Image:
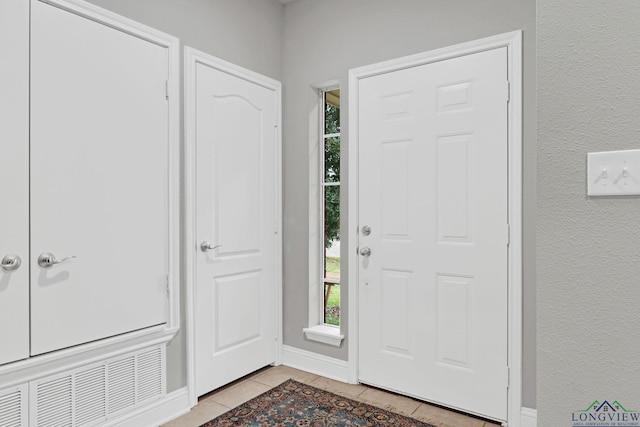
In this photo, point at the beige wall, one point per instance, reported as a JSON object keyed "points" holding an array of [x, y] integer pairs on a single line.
{"points": [[323, 39], [245, 32], [588, 247]]}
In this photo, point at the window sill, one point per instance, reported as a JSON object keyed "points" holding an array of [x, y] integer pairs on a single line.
{"points": [[325, 334]]}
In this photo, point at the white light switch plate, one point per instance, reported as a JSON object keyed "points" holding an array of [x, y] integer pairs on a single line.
{"points": [[613, 173]]}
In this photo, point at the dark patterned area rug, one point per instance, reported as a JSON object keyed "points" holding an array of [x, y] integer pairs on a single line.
{"points": [[296, 404]]}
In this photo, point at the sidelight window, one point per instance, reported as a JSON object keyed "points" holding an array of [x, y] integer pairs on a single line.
{"points": [[330, 205]]}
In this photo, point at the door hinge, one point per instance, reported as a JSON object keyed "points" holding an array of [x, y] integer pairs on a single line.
{"points": [[508, 91], [167, 285], [166, 89], [508, 234]]}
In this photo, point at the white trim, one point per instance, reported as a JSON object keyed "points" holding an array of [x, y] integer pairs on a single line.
{"points": [[191, 58], [189, 217], [326, 334], [64, 360], [315, 231], [159, 412], [528, 417], [316, 215], [111, 19], [315, 363], [513, 42]]}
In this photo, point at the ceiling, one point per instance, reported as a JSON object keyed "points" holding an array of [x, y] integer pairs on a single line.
{"points": [[285, 1]]}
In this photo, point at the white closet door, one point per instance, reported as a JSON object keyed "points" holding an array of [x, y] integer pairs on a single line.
{"points": [[99, 180], [237, 179], [14, 178]]}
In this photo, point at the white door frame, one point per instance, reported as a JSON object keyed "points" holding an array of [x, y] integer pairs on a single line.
{"points": [[192, 57], [513, 42]]}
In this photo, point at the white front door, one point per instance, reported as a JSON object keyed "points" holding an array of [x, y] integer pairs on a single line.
{"points": [[99, 180], [236, 225], [14, 176], [433, 190]]}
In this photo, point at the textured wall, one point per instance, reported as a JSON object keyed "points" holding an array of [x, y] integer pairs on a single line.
{"points": [[588, 249], [322, 41], [245, 32]]}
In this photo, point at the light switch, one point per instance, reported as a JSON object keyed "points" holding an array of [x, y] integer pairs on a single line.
{"points": [[613, 173]]}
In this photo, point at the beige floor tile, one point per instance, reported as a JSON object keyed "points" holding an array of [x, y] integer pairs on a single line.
{"points": [[279, 374], [238, 393], [340, 388], [213, 408], [219, 402], [199, 415], [442, 418], [389, 401]]}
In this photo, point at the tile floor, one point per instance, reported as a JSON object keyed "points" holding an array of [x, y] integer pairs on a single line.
{"points": [[221, 400]]}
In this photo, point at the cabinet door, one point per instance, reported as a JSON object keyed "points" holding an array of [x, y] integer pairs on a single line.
{"points": [[14, 178], [99, 180]]}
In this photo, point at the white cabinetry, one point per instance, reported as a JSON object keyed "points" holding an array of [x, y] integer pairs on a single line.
{"points": [[88, 170], [14, 179]]}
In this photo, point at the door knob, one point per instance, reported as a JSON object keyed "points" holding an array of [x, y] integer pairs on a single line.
{"points": [[10, 262], [48, 260], [366, 230], [365, 251], [206, 246]]}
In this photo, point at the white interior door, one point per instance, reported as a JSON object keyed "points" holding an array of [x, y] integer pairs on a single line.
{"points": [[99, 180], [236, 221], [433, 189], [14, 176]]}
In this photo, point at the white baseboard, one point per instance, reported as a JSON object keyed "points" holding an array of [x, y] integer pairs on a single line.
{"points": [[315, 363], [528, 417], [157, 413]]}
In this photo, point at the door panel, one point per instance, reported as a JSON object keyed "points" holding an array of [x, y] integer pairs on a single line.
{"points": [[433, 189], [236, 213], [14, 176], [99, 183], [238, 136]]}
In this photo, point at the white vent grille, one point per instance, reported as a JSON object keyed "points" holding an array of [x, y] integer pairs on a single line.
{"points": [[149, 374], [121, 380], [55, 400], [91, 395], [11, 409]]}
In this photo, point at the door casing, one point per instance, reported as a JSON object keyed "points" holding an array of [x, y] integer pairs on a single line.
{"points": [[513, 42], [191, 58]]}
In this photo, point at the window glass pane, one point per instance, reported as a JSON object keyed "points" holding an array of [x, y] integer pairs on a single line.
{"points": [[331, 116], [331, 215], [331, 200], [332, 304], [332, 159], [332, 255]]}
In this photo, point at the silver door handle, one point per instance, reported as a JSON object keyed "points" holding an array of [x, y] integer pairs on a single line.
{"points": [[206, 246], [48, 260], [11, 262], [365, 251]]}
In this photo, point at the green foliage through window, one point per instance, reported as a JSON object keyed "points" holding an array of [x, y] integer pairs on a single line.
{"points": [[331, 175]]}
